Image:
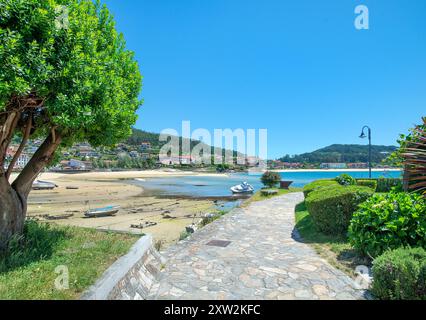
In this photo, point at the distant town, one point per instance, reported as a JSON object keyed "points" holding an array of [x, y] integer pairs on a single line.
{"points": [[141, 151]]}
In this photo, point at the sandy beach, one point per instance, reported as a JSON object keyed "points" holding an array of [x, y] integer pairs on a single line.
{"points": [[66, 206]]}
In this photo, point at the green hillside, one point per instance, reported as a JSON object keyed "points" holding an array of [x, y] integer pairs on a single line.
{"points": [[342, 153], [139, 136]]}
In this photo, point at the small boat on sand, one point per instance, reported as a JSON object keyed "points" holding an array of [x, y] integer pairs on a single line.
{"points": [[242, 188], [102, 212], [43, 185], [48, 182]]}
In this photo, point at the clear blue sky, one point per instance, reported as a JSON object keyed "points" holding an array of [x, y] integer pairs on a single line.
{"points": [[298, 68]]}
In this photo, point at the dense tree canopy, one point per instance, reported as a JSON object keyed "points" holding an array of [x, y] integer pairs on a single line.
{"points": [[65, 76], [270, 179], [75, 75]]}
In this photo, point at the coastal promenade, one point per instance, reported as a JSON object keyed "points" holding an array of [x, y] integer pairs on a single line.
{"points": [[251, 253]]}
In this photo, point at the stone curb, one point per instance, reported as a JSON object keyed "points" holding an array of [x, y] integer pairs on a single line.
{"points": [[123, 279]]}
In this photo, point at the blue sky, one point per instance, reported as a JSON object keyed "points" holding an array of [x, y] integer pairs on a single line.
{"points": [[297, 68]]}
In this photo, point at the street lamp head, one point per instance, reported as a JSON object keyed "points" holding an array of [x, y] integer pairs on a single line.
{"points": [[363, 135]]}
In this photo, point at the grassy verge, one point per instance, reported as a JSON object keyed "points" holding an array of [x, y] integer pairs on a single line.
{"points": [[205, 221], [27, 270], [336, 250], [258, 196]]}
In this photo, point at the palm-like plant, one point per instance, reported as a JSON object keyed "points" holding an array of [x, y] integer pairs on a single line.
{"points": [[414, 156]]}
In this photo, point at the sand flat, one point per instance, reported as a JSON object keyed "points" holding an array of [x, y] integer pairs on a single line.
{"points": [[98, 189]]}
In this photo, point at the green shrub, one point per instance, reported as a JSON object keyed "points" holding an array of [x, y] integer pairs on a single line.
{"points": [[183, 235], [387, 184], [270, 179], [371, 183], [389, 221], [345, 180], [318, 184], [400, 275], [332, 207], [211, 218]]}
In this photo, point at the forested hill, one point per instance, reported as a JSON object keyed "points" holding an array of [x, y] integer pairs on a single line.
{"points": [[139, 136], [347, 153]]}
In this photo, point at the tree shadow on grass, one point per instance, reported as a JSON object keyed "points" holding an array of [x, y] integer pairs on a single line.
{"points": [[37, 243]]}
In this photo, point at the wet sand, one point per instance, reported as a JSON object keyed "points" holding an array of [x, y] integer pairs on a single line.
{"points": [[98, 189]]}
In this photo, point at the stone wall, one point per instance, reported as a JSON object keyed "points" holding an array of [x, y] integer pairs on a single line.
{"points": [[130, 277]]}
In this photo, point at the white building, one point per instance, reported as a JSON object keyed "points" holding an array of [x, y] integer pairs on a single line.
{"points": [[22, 161], [333, 166]]}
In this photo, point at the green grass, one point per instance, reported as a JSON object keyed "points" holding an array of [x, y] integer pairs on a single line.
{"points": [[258, 196], [336, 250], [183, 235], [27, 270], [219, 214]]}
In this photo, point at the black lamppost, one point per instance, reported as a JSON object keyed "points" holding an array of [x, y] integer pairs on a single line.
{"points": [[362, 136]]}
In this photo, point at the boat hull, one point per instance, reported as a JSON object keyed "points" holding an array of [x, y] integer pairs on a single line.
{"points": [[43, 185], [102, 212], [237, 190]]}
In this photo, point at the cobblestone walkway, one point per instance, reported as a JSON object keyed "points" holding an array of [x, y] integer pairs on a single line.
{"points": [[263, 260]]}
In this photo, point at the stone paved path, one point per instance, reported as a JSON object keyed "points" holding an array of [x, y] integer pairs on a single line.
{"points": [[263, 261]]}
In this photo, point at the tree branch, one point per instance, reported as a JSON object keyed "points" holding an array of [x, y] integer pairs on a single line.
{"points": [[41, 158], [6, 133], [19, 104], [21, 146]]}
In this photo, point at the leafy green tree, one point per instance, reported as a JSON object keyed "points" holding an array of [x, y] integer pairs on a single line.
{"points": [[270, 179], [65, 77]]}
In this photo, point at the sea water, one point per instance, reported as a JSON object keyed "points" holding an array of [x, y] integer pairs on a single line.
{"points": [[218, 186]]}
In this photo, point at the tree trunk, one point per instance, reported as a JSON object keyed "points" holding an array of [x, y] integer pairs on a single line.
{"points": [[13, 208], [13, 204]]}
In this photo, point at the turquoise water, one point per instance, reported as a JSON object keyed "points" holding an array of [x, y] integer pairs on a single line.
{"points": [[218, 186]]}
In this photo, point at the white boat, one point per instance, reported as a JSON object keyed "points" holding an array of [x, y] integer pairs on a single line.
{"points": [[242, 188], [102, 212], [43, 185], [48, 182]]}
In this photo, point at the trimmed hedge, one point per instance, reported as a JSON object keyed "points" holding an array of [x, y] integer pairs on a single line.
{"points": [[318, 184], [386, 184], [400, 275], [383, 185], [332, 207], [389, 221], [371, 183]]}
